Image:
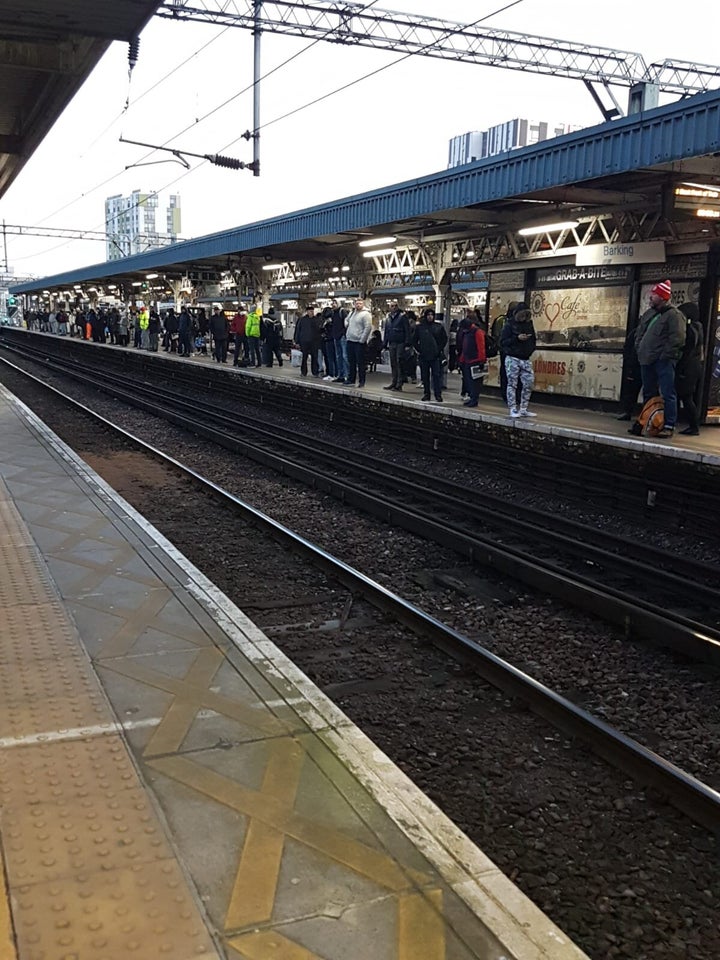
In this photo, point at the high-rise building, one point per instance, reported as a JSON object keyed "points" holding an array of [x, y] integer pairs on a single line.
{"points": [[476, 145], [131, 227]]}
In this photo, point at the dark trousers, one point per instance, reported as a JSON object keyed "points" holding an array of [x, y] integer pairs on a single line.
{"points": [[241, 347], [471, 387], [396, 351], [691, 409], [309, 350], [220, 350], [254, 351], [431, 369], [356, 362], [184, 344], [629, 389]]}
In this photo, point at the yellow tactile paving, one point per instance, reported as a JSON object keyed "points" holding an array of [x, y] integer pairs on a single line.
{"points": [[87, 872]]}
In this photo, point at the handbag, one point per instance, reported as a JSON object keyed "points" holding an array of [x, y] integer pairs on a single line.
{"points": [[478, 370]]}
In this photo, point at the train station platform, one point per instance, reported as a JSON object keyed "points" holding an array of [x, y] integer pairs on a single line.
{"points": [[172, 785]]}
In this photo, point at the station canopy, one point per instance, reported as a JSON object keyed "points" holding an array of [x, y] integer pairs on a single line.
{"points": [[624, 173], [47, 50]]}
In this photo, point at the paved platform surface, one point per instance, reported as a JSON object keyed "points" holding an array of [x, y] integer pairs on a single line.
{"points": [[171, 785]]}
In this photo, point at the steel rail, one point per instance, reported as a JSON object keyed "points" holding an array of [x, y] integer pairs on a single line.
{"points": [[635, 616], [602, 482], [690, 795], [588, 542]]}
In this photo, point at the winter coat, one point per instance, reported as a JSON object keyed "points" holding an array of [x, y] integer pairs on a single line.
{"points": [[430, 340], [690, 365], [237, 324], [184, 322], [338, 324], [471, 349], [510, 343], [397, 328], [219, 326], [308, 331], [660, 334]]}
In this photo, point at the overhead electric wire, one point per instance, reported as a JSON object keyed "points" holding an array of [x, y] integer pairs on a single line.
{"points": [[284, 116]]}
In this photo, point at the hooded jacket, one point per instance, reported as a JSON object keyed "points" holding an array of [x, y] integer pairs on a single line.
{"points": [[520, 322]]}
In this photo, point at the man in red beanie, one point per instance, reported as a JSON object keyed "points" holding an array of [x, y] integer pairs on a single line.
{"points": [[659, 340]]}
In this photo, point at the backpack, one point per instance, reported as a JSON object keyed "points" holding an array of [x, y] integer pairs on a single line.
{"points": [[651, 419], [694, 347], [491, 346]]}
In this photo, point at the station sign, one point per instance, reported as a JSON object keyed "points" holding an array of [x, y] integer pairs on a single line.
{"points": [[610, 254]]}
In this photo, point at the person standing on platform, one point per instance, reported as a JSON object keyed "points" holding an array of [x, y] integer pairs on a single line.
{"points": [[307, 339], [154, 327], [472, 357], [396, 338], [430, 340], [659, 339], [253, 330], [272, 338], [219, 331], [518, 345], [328, 345], [631, 377], [339, 316], [359, 328], [123, 329], [237, 329], [184, 333], [496, 332], [689, 368]]}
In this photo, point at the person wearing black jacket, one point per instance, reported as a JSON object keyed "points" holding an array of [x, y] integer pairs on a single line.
{"points": [[337, 329], [430, 340], [220, 332], [631, 377], [518, 343], [307, 338], [396, 338], [271, 331], [688, 371]]}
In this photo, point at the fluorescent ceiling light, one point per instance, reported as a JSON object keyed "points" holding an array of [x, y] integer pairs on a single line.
{"points": [[273, 266], [137, 283], [548, 228], [379, 253], [377, 241], [151, 276]]}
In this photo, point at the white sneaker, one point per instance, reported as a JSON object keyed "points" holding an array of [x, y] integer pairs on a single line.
{"points": [[514, 413], [328, 378], [527, 413]]}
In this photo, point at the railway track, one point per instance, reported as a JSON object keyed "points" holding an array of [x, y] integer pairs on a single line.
{"points": [[640, 588], [360, 592]]}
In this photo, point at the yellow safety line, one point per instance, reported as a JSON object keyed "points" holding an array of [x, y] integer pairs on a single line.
{"points": [[267, 943], [421, 930], [253, 895]]}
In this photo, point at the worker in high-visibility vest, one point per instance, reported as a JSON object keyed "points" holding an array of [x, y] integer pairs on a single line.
{"points": [[144, 324]]}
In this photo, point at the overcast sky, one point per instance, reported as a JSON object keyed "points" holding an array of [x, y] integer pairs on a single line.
{"points": [[391, 127]]}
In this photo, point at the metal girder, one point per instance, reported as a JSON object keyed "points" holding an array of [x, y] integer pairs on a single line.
{"points": [[407, 33], [60, 57]]}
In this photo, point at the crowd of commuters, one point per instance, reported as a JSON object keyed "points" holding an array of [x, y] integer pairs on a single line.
{"points": [[663, 353]]}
